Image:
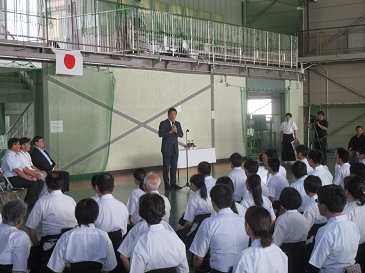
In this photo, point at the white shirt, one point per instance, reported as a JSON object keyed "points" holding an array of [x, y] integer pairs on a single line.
{"points": [[282, 172], [10, 161], [133, 200], [197, 206], [356, 215], [134, 234], [299, 186], [209, 182], [341, 172], [85, 243], [311, 212], [136, 217], [55, 211], [288, 127], [257, 259], [309, 168], [265, 189], [349, 206], [362, 161], [159, 248], [240, 211], [249, 202], [113, 214], [26, 159], [290, 227], [323, 173], [276, 184], [14, 247], [238, 178], [336, 245], [224, 235], [96, 197]]}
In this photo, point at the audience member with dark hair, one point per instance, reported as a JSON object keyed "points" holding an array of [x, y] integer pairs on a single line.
{"points": [[139, 175], [15, 244], [358, 169], [238, 177], [272, 153], [314, 159], [204, 168], [361, 155], [299, 170], [224, 243], [252, 167], [302, 155], [277, 182], [255, 197], [158, 248], [356, 143], [336, 242], [343, 169], [235, 207], [291, 231], [263, 255], [93, 186], [84, 244]]}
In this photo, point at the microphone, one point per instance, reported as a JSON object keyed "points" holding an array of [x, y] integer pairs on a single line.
{"points": [[173, 124], [187, 130]]}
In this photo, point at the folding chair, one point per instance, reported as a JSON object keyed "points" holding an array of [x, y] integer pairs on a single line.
{"points": [[9, 187], [3, 195]]}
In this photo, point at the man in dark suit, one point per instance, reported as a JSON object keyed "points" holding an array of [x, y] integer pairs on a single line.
{"points": [[170, 130], [43, 161]]}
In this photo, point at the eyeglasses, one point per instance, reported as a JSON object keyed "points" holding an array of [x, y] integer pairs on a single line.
{"points": [[316, 200]]}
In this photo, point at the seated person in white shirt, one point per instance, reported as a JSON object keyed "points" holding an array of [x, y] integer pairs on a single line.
{"points": [[252, 167], [13, 168], [299, 170], [291, 231], [272, 153], [85, 248], [263, 255], [359, 169], [343, 170], [158, 248], [223, 234], [314, 159], [336, 242], [139, 175], [361, 155], [276, 183], [204, 168], [302, 154], [238, 177], [15, 244]]}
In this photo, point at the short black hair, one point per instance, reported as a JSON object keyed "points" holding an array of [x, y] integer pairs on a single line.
{"points": [[55, 180], [105, 182], [333, 196], [225, 180], [86, 211], [24, 140], [299, 169], [171, 110], [222, 195], [272, 153], [274, 164], [358, 168], [358, 126], [12, 141], [290, 198], [312, 183], [139, 174], [316, 156], [289, 114], [304, 150], [152, 208], [236, 159], [355, 185], [344, 155], [320, 113], [199, 181], [93, 180], [36, 139], [204, 168], [252, 166]]}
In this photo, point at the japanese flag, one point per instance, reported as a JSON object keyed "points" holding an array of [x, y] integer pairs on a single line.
{"points": [[68, 62]]}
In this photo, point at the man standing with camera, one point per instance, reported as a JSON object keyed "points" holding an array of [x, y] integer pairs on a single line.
{"points": [[320, 135]]}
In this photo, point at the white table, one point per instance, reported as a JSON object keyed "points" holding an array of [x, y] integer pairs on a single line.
{"points": [[195, 156]]}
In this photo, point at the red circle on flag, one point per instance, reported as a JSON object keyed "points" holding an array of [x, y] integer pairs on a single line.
{"points": [[69, 61]]}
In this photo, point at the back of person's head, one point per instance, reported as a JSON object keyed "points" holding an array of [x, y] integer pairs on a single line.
{"points": [[13, 212], [312, 183], [105, 183], [139, 174], [254, 182], [355, 185], [252, 166], [272, 153], [299, 169], [86, 211], [222, 195], [93, 180], [12, 141], [304, 150], [316, 156], [55, 180], [358, 169], [344, 155], [199, 182], [36, 139], [259, 220], [24, 140], [333, 196], [152, 208], [226, 180], [340, 149], [274, 164], [290, 198], [236, 159], [152, 182], [204, 168]]}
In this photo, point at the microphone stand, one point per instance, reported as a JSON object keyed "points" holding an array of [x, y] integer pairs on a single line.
{"points": [[187, 159]]}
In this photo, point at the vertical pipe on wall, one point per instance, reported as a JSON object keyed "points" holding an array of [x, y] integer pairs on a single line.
{"points": [[212, 109]]}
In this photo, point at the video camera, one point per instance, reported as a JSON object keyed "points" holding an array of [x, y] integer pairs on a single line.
{"points": [[314, 119]]}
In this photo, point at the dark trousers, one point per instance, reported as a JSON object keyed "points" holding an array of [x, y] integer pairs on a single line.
{"points": [[321, 145], [34, 188], [360, 256], [89, 267], [7, 268], [116, 237], [170, 163], [298, 256], [287, 153]]}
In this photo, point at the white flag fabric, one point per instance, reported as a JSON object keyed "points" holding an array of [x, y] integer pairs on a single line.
{"points": [[69, 62]]}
